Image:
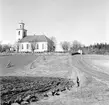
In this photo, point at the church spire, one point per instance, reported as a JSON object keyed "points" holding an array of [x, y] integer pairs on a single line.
{"points": [[21, 32]]}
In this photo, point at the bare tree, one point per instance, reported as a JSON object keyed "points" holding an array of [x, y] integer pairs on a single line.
{"points": [[33, 46], [53, 39], [16, 46], [65, 45], [6, 48], [76, 45], [0, 47]]}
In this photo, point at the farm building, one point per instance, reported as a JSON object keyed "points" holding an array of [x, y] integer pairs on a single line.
{"points": [[28, 43]]}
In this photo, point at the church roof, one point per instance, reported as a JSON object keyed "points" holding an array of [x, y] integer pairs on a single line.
{"points": [[35, 38]]}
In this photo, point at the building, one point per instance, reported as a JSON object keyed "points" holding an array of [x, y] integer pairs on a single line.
{"points": [[80, 51], [32, 43]]}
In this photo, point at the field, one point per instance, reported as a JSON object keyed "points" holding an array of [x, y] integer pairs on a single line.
{"points": [[18, 62], [16, 89], [57, 74]]}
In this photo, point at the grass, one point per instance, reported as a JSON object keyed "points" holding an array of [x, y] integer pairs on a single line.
{"points": [[18, 62]]}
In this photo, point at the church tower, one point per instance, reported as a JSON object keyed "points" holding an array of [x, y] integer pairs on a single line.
{"points": [[21, 32]]}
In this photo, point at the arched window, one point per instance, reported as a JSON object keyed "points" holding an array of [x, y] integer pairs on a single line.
{"points": [[19, 32], [37, 46], [27, 46], [20, 26], [42, 46], [22, 46]]}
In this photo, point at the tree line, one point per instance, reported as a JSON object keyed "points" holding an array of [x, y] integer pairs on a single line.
{"points": [[98, 48]]}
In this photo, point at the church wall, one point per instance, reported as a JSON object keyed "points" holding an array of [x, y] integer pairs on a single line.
{"points": [[42, 46], [24, 45]]}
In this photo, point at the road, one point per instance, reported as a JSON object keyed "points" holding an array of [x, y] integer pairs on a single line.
{"points": [[82, 64]]}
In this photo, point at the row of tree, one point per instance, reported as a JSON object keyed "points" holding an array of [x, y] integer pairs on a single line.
{"points": [[73, 47], [98, 48]]}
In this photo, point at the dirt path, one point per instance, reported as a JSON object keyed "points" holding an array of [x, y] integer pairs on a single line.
{"points": [[83, 65], [93, 94]]}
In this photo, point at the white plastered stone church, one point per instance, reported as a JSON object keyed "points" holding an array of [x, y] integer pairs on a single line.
{"points": [[41, 42]]}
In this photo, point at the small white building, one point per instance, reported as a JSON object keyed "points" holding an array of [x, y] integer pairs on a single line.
{"points": [[80, 51], [26, 43]]}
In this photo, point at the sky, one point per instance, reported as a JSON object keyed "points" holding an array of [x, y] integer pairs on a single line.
{"points": [[67, 20]]}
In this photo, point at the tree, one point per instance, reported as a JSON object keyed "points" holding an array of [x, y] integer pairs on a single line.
{"points": [[75, 46], [0, 47], [33, 46], [53, 39], [16, 46], [65, 46], [6, 48]]}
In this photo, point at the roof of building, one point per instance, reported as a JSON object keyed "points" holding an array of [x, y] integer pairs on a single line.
{"points": [[35, 38]]}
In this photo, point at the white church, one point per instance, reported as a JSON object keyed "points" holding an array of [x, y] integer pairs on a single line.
{"points": [[41, 42]]}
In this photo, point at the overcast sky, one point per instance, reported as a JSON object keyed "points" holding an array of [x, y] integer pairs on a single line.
{"points": [[84, 20]]}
